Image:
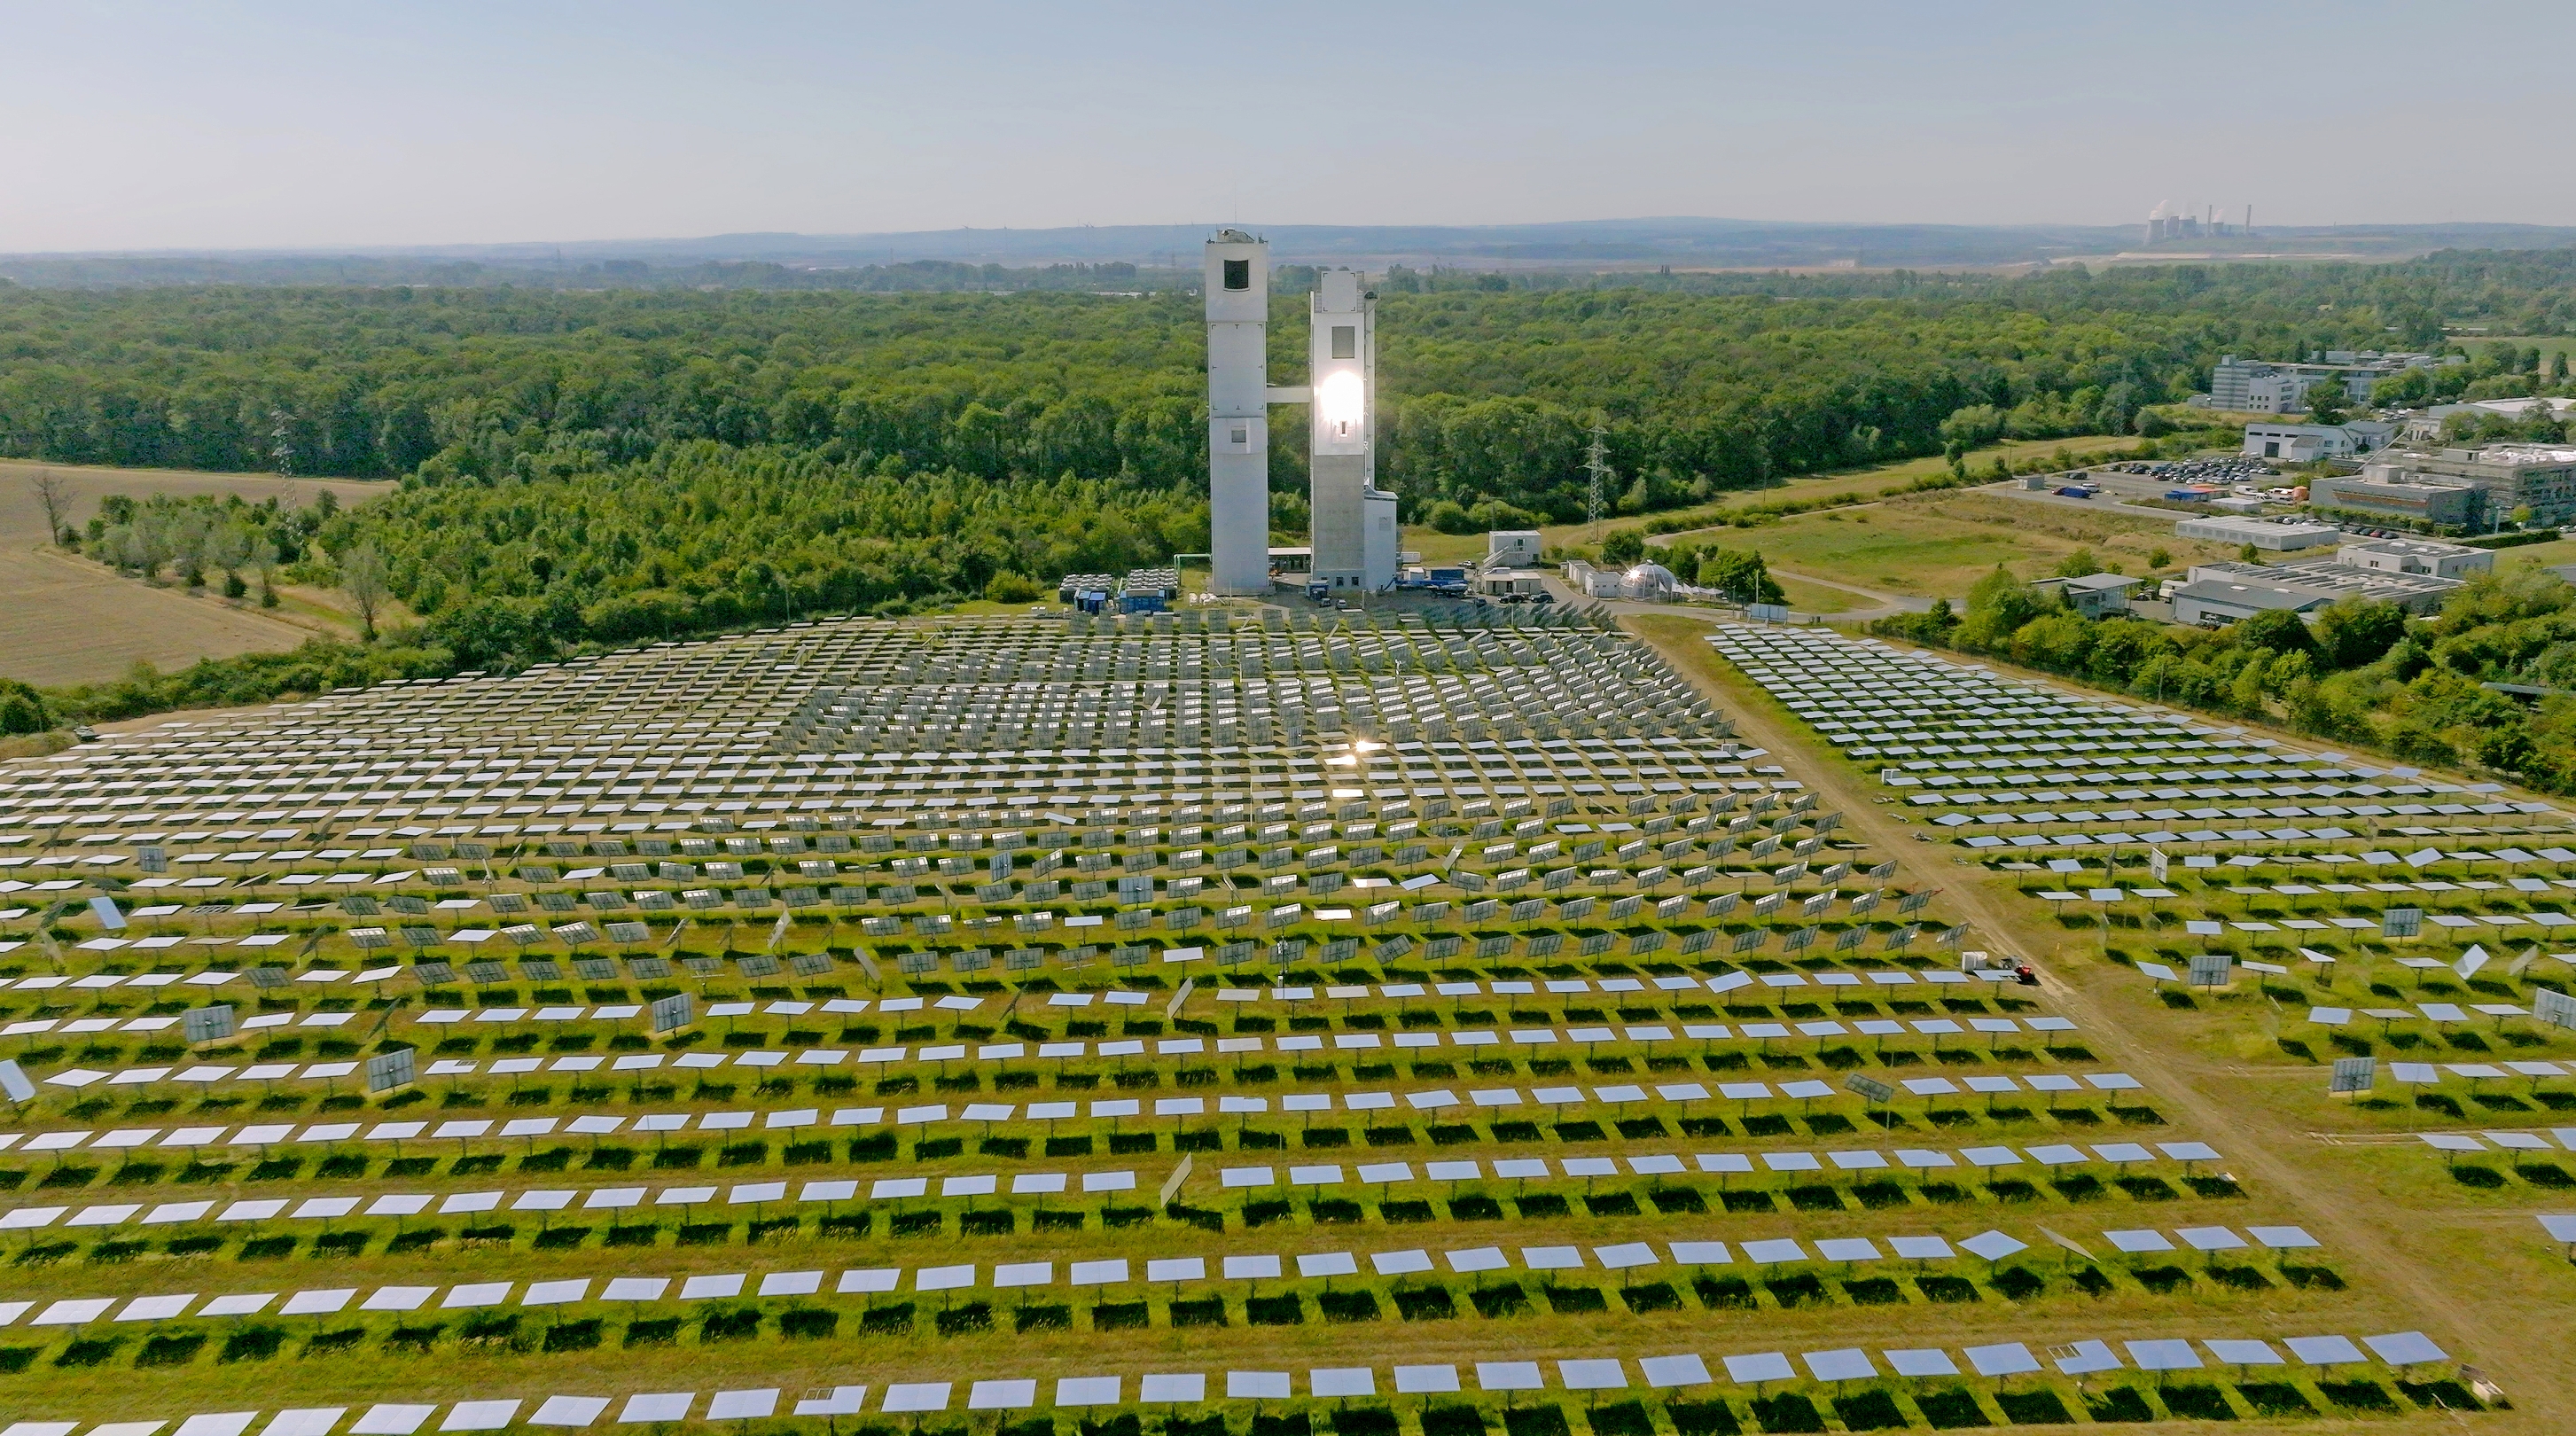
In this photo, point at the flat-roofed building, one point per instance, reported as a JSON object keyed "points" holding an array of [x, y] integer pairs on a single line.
{"points": [[1512, 548], [2540, 477], [2215, 600], [2262, 387], [2306, 443], [2280, 535], [2213, 595], [2092, 595], [2417, 556], [2443, 505]]}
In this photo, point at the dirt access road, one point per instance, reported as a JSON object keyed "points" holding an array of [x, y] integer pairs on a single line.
{"points": [[67, 621]]}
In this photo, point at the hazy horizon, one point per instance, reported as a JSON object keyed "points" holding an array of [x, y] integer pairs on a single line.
{"points": [[304, 126], [748, 240]]}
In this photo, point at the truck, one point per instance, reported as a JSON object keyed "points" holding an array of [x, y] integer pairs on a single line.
{"points": [[1452, 581]]}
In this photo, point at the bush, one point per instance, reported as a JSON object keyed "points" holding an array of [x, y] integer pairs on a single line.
{"points": [[1008, 587], [22, 709]]}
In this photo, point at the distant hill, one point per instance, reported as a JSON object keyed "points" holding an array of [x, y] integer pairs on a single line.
{"points": [[940, 258]]}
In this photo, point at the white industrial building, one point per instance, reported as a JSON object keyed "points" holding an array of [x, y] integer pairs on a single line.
{"points": [[2253, 385], [2304, 443], [2280, 535], [1512, 548], [2424, 426], [2416, 556]]}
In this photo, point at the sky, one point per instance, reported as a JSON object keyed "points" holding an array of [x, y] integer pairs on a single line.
{"points": [[218, 125]]}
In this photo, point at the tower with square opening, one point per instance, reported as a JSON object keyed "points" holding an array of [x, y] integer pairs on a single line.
{"points": [[1237, 285]]}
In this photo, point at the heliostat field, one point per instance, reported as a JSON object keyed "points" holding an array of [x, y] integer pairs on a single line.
{"points": [[1435, 1022]]}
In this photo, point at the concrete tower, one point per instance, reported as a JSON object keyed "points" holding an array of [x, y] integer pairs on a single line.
{"points": [[1238, 310], [1354, 523]]}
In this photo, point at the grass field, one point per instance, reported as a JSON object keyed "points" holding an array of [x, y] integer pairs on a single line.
{"points": [[2538, 555], [1862, 484], [1937, 545], [2547, 344], [1816, 598], [71, 621]]}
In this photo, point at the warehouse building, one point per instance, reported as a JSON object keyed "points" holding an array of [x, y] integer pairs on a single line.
{"points": [[2213, 595], [2306, 443]]}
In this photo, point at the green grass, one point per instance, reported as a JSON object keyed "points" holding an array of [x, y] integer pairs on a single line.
{"points": [[1861, 485], [2547, 344], [1938, 545], [1816, 598], [2538, 555]]}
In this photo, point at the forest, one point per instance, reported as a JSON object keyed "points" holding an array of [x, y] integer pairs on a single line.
{"points": [[592, 468], [695, 537], [1701, 382]]}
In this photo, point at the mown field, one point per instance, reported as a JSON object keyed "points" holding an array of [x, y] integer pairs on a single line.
{"points": [[72, 621], [1937, 545], [1863, 484]]}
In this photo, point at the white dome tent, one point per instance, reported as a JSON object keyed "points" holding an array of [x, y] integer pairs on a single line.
{"points": [[1648, 581]]}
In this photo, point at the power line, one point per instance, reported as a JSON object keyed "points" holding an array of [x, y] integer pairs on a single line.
{"points": [[1596, 461]]}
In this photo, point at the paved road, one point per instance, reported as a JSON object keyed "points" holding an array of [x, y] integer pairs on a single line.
{"points": [[1885, 603]]}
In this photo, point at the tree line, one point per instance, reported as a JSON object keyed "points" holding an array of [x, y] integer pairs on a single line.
{"points": [[1700, 383], [2362, 672], [697, 537]]}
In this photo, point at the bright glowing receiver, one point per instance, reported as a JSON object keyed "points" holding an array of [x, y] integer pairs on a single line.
{"points": [[1342, 400]]}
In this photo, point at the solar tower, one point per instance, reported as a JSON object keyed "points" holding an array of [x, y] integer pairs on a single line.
{"points": [[1238, 310]]}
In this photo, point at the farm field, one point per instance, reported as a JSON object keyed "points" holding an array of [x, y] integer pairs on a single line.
{"points": [[2298, 908], [70, 621]]}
